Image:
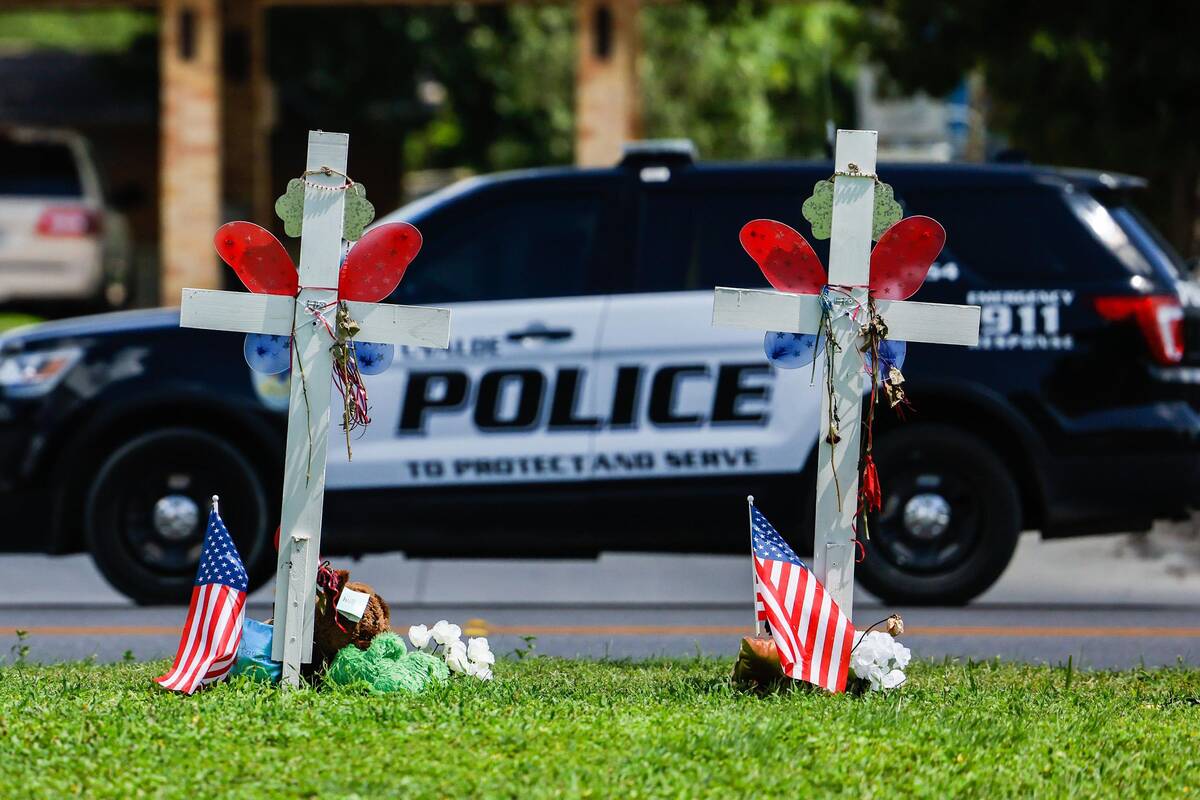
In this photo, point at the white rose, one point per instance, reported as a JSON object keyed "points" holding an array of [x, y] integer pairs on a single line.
{"points": [[456, 657], [874, 649], [875, 676], [444, 633], [480, 671], [419, 636], [479, 651], [893, 679], [864, 669]]}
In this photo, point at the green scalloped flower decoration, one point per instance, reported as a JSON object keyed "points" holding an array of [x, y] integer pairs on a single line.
{"points": [[357, 216], [818, 209], [290, 208], [887, 210], [359, 213]]}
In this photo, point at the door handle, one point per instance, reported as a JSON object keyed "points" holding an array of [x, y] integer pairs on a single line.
{"points": [[538, 332]]}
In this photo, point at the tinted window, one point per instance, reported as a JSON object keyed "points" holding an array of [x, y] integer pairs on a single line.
{"points": [[38, 169], [506, 246], [689, 240], [1149, 243], [1013, 235]]}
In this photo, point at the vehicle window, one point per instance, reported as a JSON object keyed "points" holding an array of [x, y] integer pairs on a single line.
{"points": [[498, 246], [38, 169], [1142, 234], [689, 241], [1015, 235]]}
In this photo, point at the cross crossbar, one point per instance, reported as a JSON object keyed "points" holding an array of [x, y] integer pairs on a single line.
{"points": [[243, 312], [907, 320]]}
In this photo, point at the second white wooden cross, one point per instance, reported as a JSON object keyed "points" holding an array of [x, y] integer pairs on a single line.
{"points": [[849, 268], [312, 373]]}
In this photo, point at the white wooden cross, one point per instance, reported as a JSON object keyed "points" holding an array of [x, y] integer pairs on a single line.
{"points": [[849, 266], [308, 417]]}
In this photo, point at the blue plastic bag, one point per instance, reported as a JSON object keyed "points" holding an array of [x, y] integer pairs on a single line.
{"points": [[254, 653]]}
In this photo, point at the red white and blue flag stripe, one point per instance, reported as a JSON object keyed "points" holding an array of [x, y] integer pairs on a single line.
{"points": [[813, 636], [213, 631]]}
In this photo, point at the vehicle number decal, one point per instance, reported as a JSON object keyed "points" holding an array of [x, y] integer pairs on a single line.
{"points": [[947, 272], [1022, 319]]}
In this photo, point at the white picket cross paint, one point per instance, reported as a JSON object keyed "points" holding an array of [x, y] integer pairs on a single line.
{"points": [[849, 266], [308, 418]]}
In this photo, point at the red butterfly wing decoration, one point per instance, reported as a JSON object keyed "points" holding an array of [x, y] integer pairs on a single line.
{"points": [[376, 264], [901, 259], [257, 257], [784, 256]]}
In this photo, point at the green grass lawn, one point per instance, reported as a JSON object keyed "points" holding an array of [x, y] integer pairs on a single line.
{"points": [[554, 728]]}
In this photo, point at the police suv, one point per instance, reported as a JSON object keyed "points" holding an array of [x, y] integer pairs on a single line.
{"points": [[586, 402]]}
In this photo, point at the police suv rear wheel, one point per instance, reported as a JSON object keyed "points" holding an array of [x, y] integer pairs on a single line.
{"points": [[950, 520], [147, 509]]}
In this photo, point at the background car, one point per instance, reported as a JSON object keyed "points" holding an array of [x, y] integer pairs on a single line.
{"points": [[59, 243], [587, 403]]}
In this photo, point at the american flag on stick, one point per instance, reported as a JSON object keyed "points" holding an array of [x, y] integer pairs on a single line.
{"points": [[813, 636], [213, 629]]}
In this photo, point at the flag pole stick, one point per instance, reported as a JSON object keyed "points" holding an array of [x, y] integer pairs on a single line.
{"points": [[215, 501], [758, 626]]}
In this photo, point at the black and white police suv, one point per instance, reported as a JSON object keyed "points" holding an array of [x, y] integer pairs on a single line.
{"points": [[586, 402]]}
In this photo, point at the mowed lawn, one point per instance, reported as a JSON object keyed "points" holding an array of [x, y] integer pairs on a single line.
{"points": [[13, 319], [555, 728]]}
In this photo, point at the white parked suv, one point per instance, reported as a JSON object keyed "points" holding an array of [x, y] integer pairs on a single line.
{"points": [[58, 241]]}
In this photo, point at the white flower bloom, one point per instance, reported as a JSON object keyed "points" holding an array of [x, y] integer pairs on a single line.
{"points": [[479, 651], [456, 657], [879, 659], [480, 671], [444, 633], [419, 636]]}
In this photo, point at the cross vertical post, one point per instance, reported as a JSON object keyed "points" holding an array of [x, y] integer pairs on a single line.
{"points": [[849, 266], [308, 408]]}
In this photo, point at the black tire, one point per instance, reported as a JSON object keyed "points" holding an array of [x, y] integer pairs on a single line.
{"points": [[133, 553], [917, 559]]}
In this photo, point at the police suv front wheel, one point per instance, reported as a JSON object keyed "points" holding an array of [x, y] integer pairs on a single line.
{"points": [[147, 509], [950, 520]]}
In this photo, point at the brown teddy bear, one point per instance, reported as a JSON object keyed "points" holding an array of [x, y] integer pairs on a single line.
{"points": [[331, 630]]}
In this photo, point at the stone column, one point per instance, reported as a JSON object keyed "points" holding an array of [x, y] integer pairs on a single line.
{"points": [[190, 150], [606, 85]]}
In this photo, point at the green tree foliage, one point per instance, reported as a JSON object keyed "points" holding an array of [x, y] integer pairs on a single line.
{"points": [[492, 86], [84, 31], [1110, 84], [747, 79]]}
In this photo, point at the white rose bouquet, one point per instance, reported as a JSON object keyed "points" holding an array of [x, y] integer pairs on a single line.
{"points": [[474, 658], [878, 660]]}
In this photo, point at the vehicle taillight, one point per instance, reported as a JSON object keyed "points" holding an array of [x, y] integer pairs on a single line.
{"points": [[1159, 316], [68, 221]]}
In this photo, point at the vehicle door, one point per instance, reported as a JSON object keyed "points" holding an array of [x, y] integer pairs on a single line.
{"points": [[512, 399], [687, 399]]}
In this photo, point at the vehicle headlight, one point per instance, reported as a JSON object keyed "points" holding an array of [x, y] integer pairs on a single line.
{"points": [[35, 373]]}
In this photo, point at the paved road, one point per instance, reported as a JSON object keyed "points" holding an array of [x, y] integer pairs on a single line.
{"points": [[1086, 599]]}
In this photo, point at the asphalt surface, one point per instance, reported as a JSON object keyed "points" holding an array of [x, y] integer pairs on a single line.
{"points": [[1091, 600]]}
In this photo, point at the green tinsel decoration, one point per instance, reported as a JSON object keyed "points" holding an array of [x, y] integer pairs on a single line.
{"points": [[387, 666]]}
